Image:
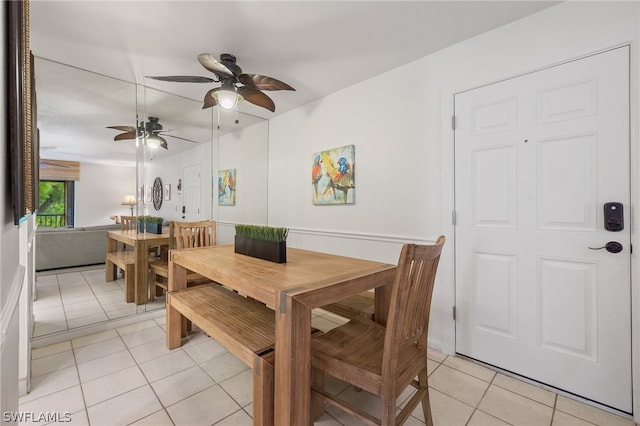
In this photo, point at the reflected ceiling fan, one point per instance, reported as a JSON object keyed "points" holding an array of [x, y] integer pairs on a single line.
{"points": [[149, 132], [235, 85]]}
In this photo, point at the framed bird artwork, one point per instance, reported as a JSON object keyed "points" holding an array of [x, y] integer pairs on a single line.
{"points": [[333, 176], [227, 187]]}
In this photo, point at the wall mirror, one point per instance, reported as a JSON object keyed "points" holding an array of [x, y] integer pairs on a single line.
{"points": [[75, 107]]}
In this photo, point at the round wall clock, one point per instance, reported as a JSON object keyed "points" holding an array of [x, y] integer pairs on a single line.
{"points": [[157, 193]]}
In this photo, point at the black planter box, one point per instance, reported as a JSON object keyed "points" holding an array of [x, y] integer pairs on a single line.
{"points": [[154, 228], [262, 249]]}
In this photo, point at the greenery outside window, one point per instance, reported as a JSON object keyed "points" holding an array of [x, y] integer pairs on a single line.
{"points": [[55, 206]]}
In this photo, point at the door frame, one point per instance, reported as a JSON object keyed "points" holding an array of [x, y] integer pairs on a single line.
{"points": [[446, 270]]}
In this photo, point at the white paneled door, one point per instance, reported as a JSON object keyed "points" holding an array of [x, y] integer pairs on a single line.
{"points": [[191, 197], [537, 157]]}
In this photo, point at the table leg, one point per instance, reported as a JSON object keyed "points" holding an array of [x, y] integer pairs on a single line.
{"points": [[176, 323], [109, 267], [173, 326], [142, 266], [293, 361]]}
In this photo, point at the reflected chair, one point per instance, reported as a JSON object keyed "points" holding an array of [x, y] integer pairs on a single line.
{"points": [[181, 235], [128, 223], [385, 360]]}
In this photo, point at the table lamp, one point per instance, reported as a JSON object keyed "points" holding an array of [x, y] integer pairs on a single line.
{"points": [[129, 200]]}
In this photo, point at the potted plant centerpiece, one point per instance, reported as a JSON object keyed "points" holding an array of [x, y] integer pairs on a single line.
{"points": [[263, 242], [151, 224]]}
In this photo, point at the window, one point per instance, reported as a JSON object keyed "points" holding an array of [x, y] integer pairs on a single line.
{"points": [[55, 206]]}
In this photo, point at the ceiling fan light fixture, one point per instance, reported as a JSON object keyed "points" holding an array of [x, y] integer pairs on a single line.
{"points": [[227, 99], [154, 141]]}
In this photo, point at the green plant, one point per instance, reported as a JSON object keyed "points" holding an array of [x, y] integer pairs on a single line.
{"points": [[150, 219], [259, 232]]}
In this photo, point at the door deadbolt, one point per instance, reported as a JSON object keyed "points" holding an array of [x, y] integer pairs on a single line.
{"points": [[613, 217], [611, 247]]}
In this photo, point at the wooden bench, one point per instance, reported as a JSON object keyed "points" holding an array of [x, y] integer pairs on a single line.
{"points": [[126, 261], [244, 326], [362, 304]]}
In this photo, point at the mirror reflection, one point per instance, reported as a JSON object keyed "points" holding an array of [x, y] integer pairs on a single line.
{"points": [[96, 175]]}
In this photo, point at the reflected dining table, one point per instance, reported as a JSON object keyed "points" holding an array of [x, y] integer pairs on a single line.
{"points": [[140, 241], [306, 281]]}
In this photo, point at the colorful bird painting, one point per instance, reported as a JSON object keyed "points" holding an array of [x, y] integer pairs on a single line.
{"points": [[316, 175], [332, 175], [227, 187]]}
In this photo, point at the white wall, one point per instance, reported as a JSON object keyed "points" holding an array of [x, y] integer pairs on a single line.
{"points": [[100, 191], [400, 125], [170, 170], [246, 151]]}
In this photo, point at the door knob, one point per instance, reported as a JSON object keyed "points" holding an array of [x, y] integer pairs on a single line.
{"points": [[611, 246]]}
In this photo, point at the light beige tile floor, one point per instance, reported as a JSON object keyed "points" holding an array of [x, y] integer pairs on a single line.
{"points": [[78, 297], [128, 376]]}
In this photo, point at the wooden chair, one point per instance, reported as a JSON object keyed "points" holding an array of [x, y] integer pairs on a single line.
{"points": [[195, 234], [128, 223], [384, 360], [181, 235]]}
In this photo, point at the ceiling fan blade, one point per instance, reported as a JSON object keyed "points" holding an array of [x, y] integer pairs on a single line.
{"points": [[209, 100], [213, 65], [123, 128], [256, 97], [163, 143], [182, 78], [263, 82], [181, 138], [124, 136]]}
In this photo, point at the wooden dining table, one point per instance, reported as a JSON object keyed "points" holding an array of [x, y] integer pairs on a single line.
{"points": [[306, 281], [141, 242]]}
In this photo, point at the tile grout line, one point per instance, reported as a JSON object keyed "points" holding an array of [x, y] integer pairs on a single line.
{"points": [[475, 409], [84, 399], [148, 382]]}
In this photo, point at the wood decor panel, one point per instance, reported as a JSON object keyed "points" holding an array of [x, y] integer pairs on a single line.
{"points": [[59, 170]]}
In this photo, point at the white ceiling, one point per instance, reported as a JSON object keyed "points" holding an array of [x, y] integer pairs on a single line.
{"points": [[318, 47]]}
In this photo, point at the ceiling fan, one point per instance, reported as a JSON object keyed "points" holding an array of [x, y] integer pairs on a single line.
{"points": [[235, 85], [149, 131]]}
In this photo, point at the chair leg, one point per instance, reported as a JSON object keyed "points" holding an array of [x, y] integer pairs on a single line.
{"points": [[388, 415], [426, 403]]}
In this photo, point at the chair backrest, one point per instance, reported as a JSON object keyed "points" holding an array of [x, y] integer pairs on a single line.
{"points": [[410, 303], [195, 234], [128, 223]]}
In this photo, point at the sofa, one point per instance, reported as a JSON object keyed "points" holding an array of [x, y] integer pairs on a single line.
{"points": [[69, 247]]}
